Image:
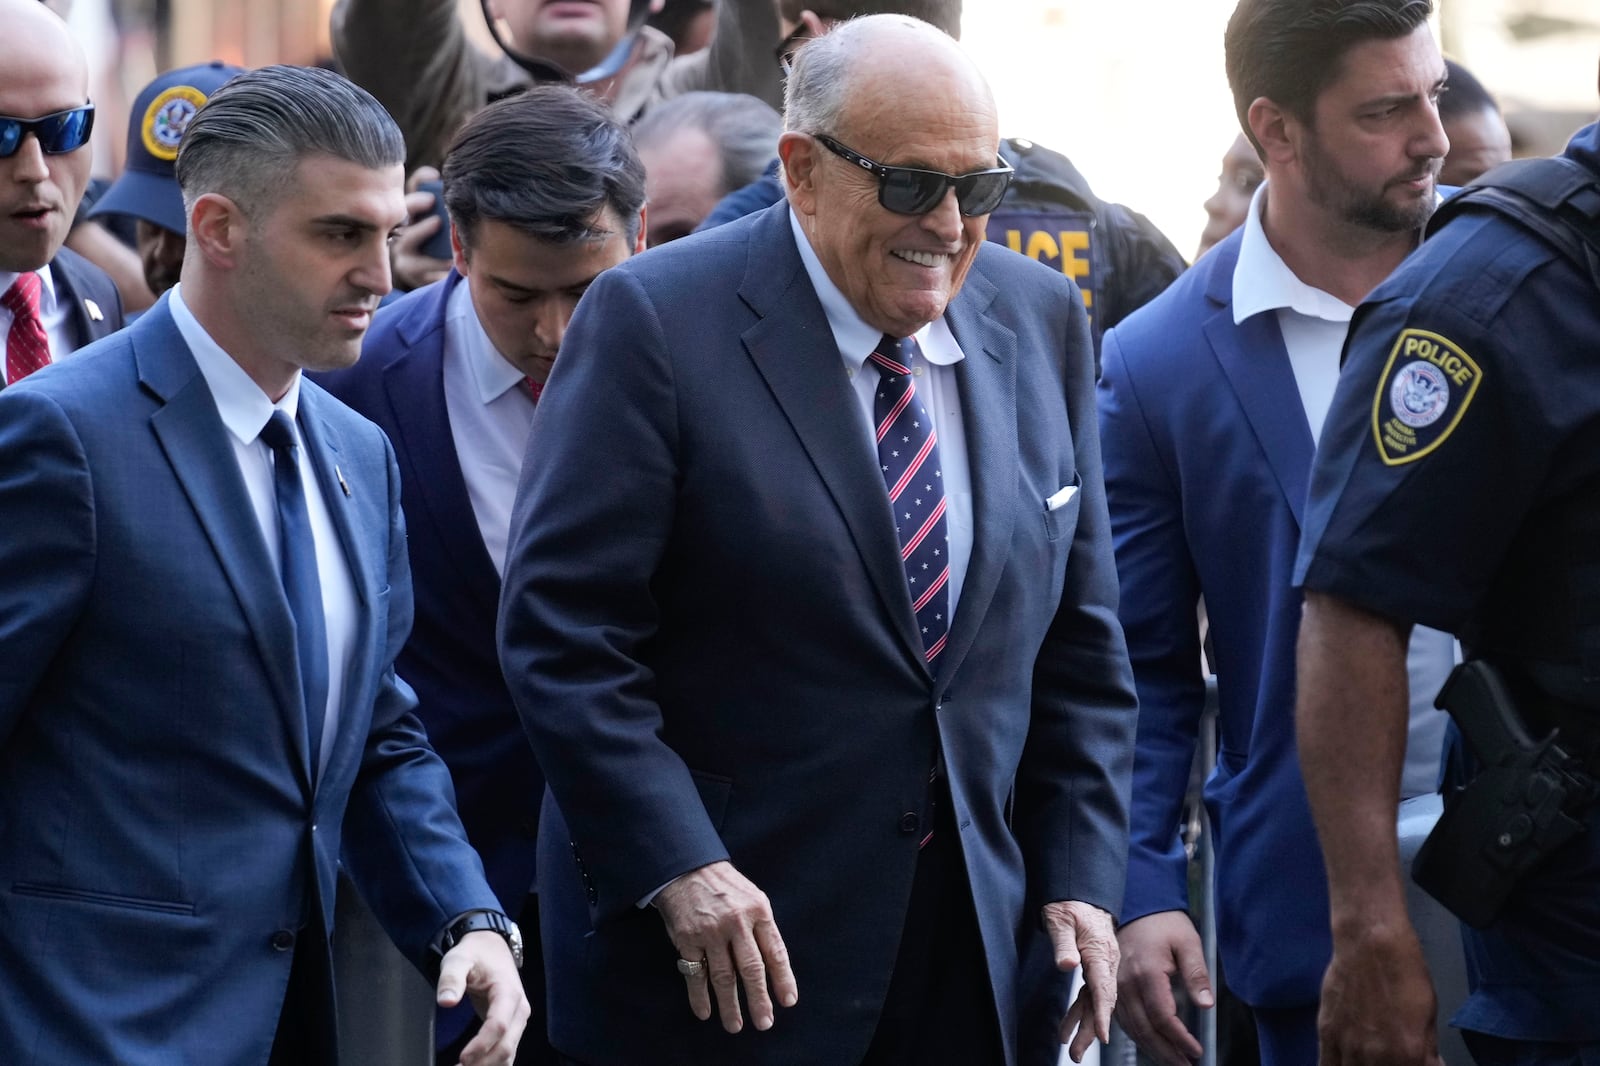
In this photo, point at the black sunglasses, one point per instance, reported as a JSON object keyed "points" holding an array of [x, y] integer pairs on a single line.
{"points": [[909, 191], [64, 131]]}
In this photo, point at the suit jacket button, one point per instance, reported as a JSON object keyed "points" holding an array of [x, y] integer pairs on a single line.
{"points": [[908, 823], [282, 940]]}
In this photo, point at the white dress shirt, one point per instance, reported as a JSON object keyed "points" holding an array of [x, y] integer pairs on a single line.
{"points": [[1314, 324], [935, 383], [490, 412], [52, 313], [245, 411]]}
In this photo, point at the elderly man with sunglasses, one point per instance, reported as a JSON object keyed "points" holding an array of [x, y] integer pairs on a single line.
{"points": [[52, 300], [809, 611]]}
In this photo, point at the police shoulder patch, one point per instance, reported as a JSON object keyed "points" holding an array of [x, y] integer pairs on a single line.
{"points": [[1426, 387]]}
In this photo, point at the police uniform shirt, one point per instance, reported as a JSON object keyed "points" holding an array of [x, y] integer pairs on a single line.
{"points": [[1462, 447]]}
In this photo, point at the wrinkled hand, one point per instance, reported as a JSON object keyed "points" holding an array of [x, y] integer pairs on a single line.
{"points": [[714, 913], [1156, 948], [1084, 935], [481, 966], [410, 267], [1378, 1004]]}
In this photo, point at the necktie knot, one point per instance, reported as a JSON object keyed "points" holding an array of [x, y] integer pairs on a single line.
{"points": [[893, 355], [278, 433], [22, 299]]}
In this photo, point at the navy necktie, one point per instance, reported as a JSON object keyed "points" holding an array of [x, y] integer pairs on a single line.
{"points": [[301, 584], [908, 453]]}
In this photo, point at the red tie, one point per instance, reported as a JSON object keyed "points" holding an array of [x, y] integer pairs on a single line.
{"points": [[27, 347], [535, 388]]}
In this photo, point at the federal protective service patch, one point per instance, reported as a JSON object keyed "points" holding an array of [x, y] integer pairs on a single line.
{"points": [[1425, 389], [167, 117]]}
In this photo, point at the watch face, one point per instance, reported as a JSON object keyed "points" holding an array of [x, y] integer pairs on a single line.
{"points": [[514, 938]]}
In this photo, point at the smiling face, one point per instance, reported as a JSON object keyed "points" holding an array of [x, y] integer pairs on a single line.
{"points": [[932, 112], [1372, 155], [42, 71], [313, 267]]}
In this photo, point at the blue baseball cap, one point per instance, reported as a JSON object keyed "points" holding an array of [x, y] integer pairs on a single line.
{"points": [[148, 187]]}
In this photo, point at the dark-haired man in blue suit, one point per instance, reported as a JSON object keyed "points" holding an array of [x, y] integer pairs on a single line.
{"points": [[545, 192], [831, 678], [203, 586], [1211, 401]]}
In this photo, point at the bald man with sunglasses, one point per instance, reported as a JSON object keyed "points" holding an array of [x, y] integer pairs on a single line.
{"points": [[810, 611], [52, 300]]}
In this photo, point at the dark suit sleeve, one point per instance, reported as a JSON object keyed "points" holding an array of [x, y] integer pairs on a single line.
{"points": [[1072, 783], [578, 613], [403, 843], [1160, 596], [47, 545]]}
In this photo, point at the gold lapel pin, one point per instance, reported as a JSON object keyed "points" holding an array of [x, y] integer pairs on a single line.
{"points": [[95, 314], [340, 475]]}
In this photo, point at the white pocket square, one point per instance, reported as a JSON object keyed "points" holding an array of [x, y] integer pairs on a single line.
{"points": [[1059, 500]]}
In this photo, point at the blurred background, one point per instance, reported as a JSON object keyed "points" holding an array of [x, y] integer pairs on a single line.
{"points": [[1134, 93]]}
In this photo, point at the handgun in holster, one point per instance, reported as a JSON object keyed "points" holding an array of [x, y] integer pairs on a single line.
{"points": [[1528, 798]]}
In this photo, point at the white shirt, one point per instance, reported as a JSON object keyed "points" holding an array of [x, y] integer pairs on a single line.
{"points": [[490, 413], [936, 386], [52, 313], [1314, 324], [245, 411]]}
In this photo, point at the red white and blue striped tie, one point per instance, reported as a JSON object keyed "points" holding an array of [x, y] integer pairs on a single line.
{"points": [[908, 453]]}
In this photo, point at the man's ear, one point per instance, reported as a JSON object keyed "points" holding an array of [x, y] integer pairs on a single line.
{"points": [[798, 154], [814, 23], [458, 251], [1277, 132], [639, 242], [217, 228]]}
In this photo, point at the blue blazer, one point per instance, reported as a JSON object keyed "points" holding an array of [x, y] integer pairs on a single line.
{"points": [[162, 836], [708, 633], [451, 658], [1208, 456]]}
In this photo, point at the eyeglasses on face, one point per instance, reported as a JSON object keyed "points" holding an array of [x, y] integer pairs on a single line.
{"points": [[62, 132], [909, 191]]}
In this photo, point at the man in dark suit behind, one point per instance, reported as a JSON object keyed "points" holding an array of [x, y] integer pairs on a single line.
{"points": [[52, 300], [866, 763], [545, 191], [205, 587]]}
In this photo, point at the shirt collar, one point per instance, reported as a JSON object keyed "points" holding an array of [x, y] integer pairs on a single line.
{"points": [[244, 408], [47, 288], [1262, 281], [492, 373], [856, 339]]}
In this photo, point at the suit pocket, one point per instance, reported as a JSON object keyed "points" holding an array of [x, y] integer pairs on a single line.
{"points": [[102, 899], [1062, 520], [715, 790]]}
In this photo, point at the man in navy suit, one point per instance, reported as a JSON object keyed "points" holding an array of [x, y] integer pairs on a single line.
{"points": [[205, 587], [52, 300], [827, 685], [545, 191], [1211, 402]]}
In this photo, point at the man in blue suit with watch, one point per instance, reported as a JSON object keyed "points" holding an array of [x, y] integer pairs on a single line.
{"points": [[204, 589]]}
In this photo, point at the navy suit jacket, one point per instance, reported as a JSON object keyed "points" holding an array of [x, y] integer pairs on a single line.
{"points": [[161, 834], [79, 283], [1208, 457], [707, 630], [450, 659]]}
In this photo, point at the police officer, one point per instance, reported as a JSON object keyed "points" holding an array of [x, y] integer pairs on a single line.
{"points": [[1458, 486]]}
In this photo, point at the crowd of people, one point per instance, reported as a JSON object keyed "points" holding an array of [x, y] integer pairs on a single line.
{"points": [[437, 488]]}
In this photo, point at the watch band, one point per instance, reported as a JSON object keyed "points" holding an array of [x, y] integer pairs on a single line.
{"points": [[482, 921]]}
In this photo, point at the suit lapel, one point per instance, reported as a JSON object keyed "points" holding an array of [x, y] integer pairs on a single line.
{"points": [[1256, 364], [987, 375], [87, 319], [414, 387], [794, 351], [197, 446]]}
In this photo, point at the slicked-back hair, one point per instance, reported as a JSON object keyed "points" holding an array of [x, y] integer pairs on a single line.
{"points": [[1290, 50], [945, 14], [247, 139], [744, 129], [1463, 94], [544, 162]]}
